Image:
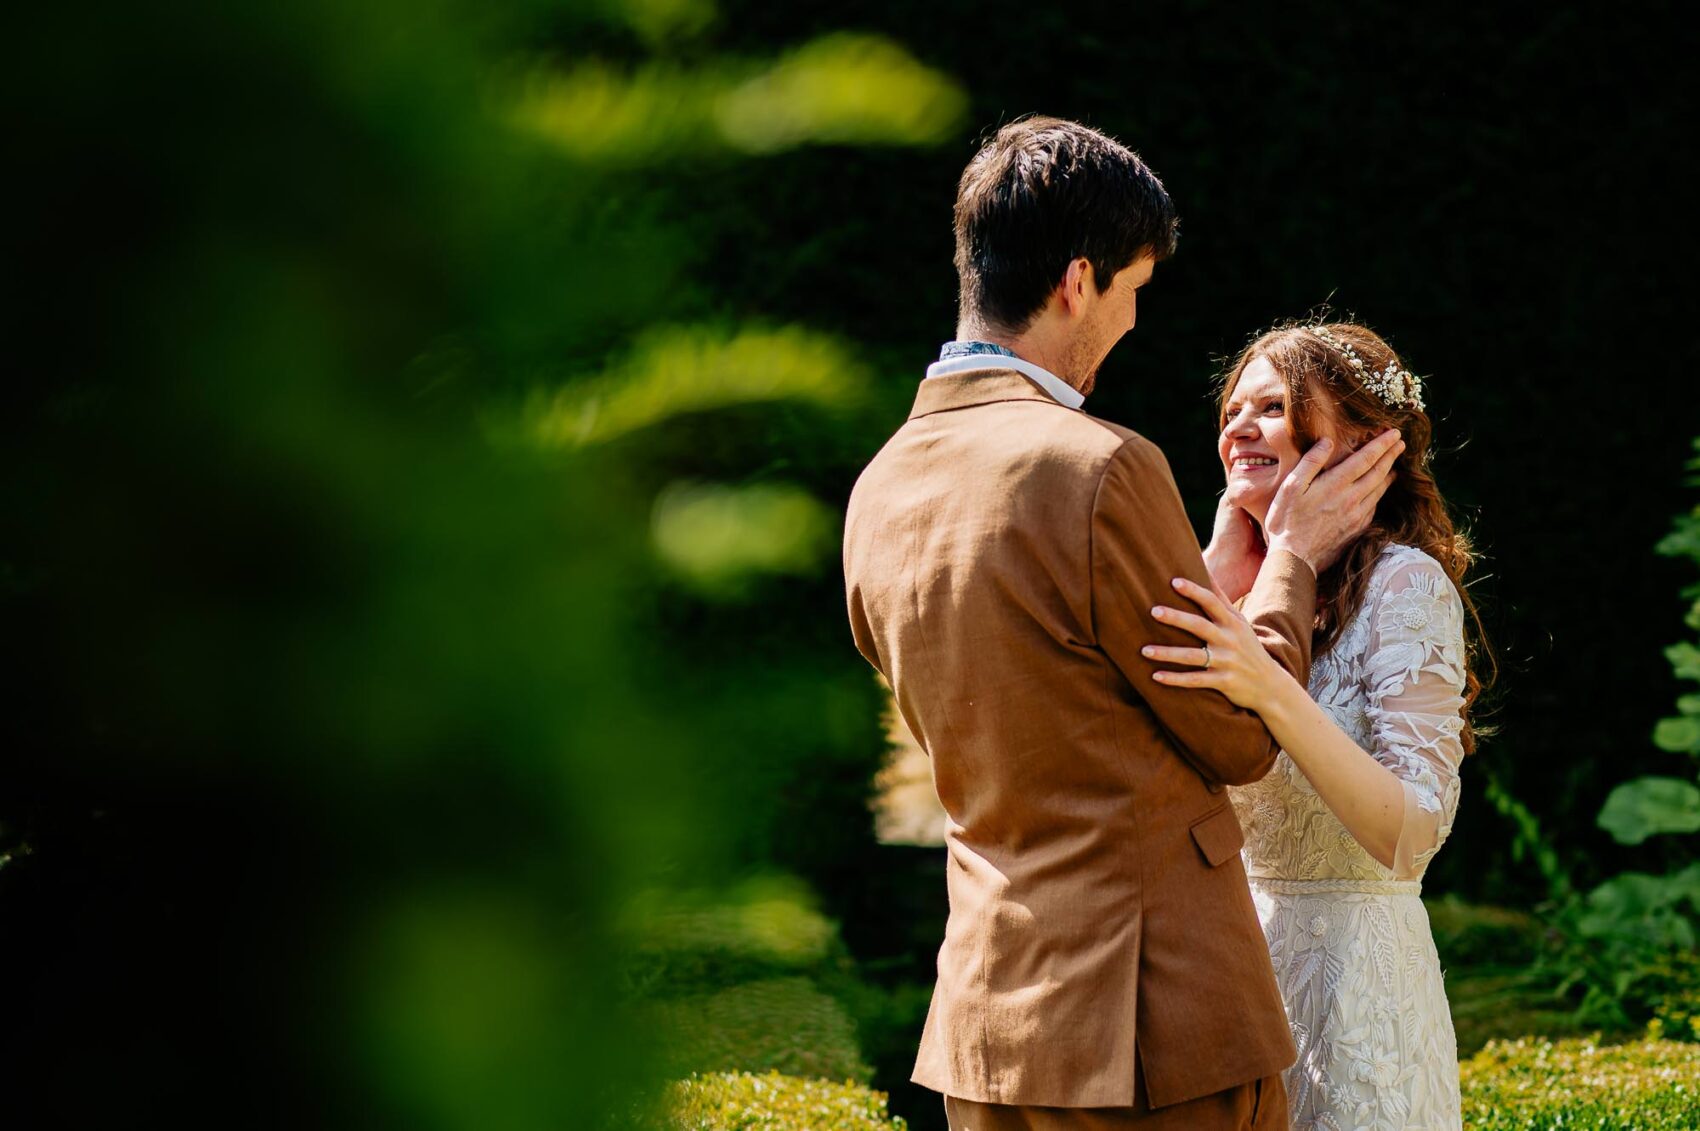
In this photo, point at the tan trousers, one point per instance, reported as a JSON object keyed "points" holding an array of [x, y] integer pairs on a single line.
{"points": [[1258, 1106]]}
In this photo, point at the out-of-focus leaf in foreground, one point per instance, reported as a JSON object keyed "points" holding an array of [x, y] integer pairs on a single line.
{"points": [[836, 90], [842, 89], [717, 536], [471, 1011], [678, 370]]}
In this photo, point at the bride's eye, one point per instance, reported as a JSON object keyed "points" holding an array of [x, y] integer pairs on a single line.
{"points": [[1277, 408]]}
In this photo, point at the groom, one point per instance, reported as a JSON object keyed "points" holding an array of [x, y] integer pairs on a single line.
{"points": [[1103, 965]]}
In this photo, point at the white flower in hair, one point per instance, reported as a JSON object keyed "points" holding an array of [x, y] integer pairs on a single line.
{"points": [[1398, 387]]}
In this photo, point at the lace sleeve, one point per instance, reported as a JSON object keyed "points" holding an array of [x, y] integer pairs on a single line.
{"points": [[1414, 676]]}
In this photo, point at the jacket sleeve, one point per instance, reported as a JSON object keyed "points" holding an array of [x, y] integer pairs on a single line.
{"points": [[1141, 539]]}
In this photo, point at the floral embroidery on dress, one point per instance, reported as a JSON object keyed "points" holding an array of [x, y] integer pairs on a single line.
{"points": [[1349, 939]]}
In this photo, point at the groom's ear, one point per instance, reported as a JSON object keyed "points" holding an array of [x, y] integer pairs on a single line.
{"points": [[1077, 285]]}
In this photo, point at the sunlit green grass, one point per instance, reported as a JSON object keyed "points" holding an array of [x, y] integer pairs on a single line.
{"points": [[1538, 1084]]}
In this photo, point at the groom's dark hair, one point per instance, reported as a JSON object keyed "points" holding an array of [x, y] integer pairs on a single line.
{"points": [[1042, 193]]}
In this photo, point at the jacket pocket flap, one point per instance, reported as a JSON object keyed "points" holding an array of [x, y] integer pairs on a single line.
{"points": [[1218, 834]]}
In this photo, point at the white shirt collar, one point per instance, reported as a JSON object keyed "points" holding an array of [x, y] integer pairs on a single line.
{"points": [[1061, 391]]}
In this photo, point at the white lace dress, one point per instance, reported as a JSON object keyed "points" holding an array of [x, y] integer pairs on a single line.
{"points": [[1350, 940]]}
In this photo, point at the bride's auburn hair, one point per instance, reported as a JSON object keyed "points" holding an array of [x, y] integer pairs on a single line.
{"points": [[1321, 381]]}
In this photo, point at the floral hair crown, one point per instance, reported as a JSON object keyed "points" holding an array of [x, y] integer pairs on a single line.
{"points": [[1398, 387]]}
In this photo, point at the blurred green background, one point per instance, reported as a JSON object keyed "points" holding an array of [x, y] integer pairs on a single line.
{"points": [[429, 700]]}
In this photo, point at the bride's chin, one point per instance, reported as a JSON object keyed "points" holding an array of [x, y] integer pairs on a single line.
{"points": [[1254, 503]]}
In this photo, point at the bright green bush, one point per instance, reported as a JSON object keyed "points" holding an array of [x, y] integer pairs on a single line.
{"points": [[739, 1101], [779, 1024], [1536, 1085]]}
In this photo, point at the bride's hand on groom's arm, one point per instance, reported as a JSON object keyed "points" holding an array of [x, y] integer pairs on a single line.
{"points": [[1229, 657], [1318, 510]]}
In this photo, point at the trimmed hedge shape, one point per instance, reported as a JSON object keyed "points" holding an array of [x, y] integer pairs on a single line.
{"points": [[683, 942], [779, 1024], [739, 1101], [1535, 1084]]}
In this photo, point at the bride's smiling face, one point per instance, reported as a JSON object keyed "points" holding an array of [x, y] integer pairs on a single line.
{"points": [[1259, 443]]}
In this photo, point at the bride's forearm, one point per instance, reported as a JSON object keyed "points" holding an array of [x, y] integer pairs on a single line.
{"points": [[1365, 795]]}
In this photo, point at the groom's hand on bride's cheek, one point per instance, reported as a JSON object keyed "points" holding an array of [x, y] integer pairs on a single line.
{"points": [[1235, 552], [1316, 513]]}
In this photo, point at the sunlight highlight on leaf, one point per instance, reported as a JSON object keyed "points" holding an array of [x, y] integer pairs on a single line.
{"points": [[717, 536], [841, 89], [694, 369], [598, 114]]}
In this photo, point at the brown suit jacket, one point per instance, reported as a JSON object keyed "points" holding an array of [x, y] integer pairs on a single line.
{"points": [[1002, 554]]}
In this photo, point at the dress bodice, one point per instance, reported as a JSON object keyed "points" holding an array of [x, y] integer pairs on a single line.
{"points": [[1394, 682]]}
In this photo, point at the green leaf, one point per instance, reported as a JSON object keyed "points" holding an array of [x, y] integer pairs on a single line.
{"points": [[1647, 806], [677, 370], [1680, 735], [843, 89], [1686, 884], [1638, 910], [716, 537], [1685, 660], [1684, 539]]}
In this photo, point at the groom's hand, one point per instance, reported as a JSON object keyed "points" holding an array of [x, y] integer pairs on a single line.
{"points": [[1317, 513], [1236, 551]]}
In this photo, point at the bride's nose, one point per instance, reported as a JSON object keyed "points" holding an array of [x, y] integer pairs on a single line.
{"points": [[1241, 427]]}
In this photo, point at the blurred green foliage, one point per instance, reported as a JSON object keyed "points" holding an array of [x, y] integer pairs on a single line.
{"points": [[383, 521], [680, 369], [1669, 990], [1471, 935], [1620, 951], [1649, 806], [1497, 982], [761, 927], [1636, 921], [845, 89], [718, 537], [755, 979]]}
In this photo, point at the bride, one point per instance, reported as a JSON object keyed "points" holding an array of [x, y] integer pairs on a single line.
{"points": [[1363, 794]]}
